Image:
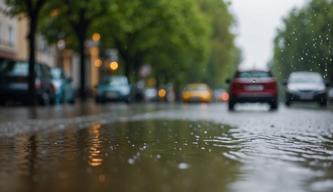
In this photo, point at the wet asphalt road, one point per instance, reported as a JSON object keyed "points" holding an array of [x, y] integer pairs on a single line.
{"points": [[166, 148]]}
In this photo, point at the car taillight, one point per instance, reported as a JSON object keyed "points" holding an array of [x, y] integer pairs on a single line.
{"points": [[271, 85], [38, 84], [21, 79], [224, 97], [236, 86], [53, 88]]}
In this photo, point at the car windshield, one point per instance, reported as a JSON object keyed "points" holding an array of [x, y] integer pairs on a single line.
{"points": [[115, 81], [56, 74], [196, 87], [11, 68], [305, 78], [253, 74]]}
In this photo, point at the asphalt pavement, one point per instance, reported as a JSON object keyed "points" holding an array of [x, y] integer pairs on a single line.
{"points": [[166, 147]]}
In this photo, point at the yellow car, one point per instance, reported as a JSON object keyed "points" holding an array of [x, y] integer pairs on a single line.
{"points": [[197, 92]]}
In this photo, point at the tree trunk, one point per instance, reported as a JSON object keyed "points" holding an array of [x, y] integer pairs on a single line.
{"points": [[83, 91], [128, 68], [124, 52], [32, 60]]}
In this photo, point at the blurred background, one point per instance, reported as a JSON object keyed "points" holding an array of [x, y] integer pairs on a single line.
{"points": [[156, 47], [166, 95]]}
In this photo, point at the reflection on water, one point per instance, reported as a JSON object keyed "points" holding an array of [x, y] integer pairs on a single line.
{"points": [[95, 149], [166, 156], [135, 156]]}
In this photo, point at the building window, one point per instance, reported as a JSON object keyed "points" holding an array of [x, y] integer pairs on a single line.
{"points": [[10, 36], [0, 34]]}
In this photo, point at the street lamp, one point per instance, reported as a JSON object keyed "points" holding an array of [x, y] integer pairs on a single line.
{"points": [[162, 93], [98, 63], [114, 65], [96, 37]]}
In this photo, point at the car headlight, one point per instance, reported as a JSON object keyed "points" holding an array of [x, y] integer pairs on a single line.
{"points": [[99, 92], [292, 89], [206, 95], [125, 91], [321, 89], [186, 95]]}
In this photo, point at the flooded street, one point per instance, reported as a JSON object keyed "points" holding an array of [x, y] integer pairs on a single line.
{"points": [[168, 148]]}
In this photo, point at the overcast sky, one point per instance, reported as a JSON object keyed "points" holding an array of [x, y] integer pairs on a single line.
{"points": [[257, 23]]}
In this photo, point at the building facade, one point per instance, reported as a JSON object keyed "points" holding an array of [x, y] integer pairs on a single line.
{"points": [[14, 45], [8, 34], [13, 39]]}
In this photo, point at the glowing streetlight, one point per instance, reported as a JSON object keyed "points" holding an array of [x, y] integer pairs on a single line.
{"points": [[55, 13], [162, 93], [98, 63], [114, 65], [96, 37]]}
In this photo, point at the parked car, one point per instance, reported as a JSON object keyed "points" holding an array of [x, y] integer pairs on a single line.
{"points": [[64, 91], [221, 95], [114, 88], [306, 87], [150, 94], [14, 82], [253, 86], [330, 95], [197, 92]]}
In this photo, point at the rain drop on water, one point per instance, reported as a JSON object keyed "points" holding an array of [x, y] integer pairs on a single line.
{"points": [[131, 161], [183, 166]]}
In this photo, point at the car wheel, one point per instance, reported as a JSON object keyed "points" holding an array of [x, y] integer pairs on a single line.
{"points": [[274, 106], [72, 101], [127, 100], [231, 106], [100, 100], [44, 99], [323, 103], [52, 100], [288, 103]]}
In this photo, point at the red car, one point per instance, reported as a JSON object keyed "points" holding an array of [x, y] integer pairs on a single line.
{"points": [[253, 86]]}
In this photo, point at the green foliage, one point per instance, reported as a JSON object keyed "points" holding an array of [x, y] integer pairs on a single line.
{"points": [[305, 40], [168, 34], [65, 19], [184, 41], [225, 56]]}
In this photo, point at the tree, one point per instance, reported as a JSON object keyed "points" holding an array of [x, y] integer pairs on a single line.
{"points": [[174, 37], [182, 50], [73, 20], [224, 56], [305, 40], [171, 35], [30, 9], [184, 41]]}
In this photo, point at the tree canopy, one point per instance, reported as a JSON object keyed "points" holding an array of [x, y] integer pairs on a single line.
{"points": [[184, 41], [305, 40], [224, 56], [168, 34], [31, 9]]}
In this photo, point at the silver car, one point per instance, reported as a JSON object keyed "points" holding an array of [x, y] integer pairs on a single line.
{"points": [[306, 87], [330, 94]]}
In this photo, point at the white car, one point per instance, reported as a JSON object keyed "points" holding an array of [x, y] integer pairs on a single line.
{"points": [[150, 94], [306, 87], [330, 94]]}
